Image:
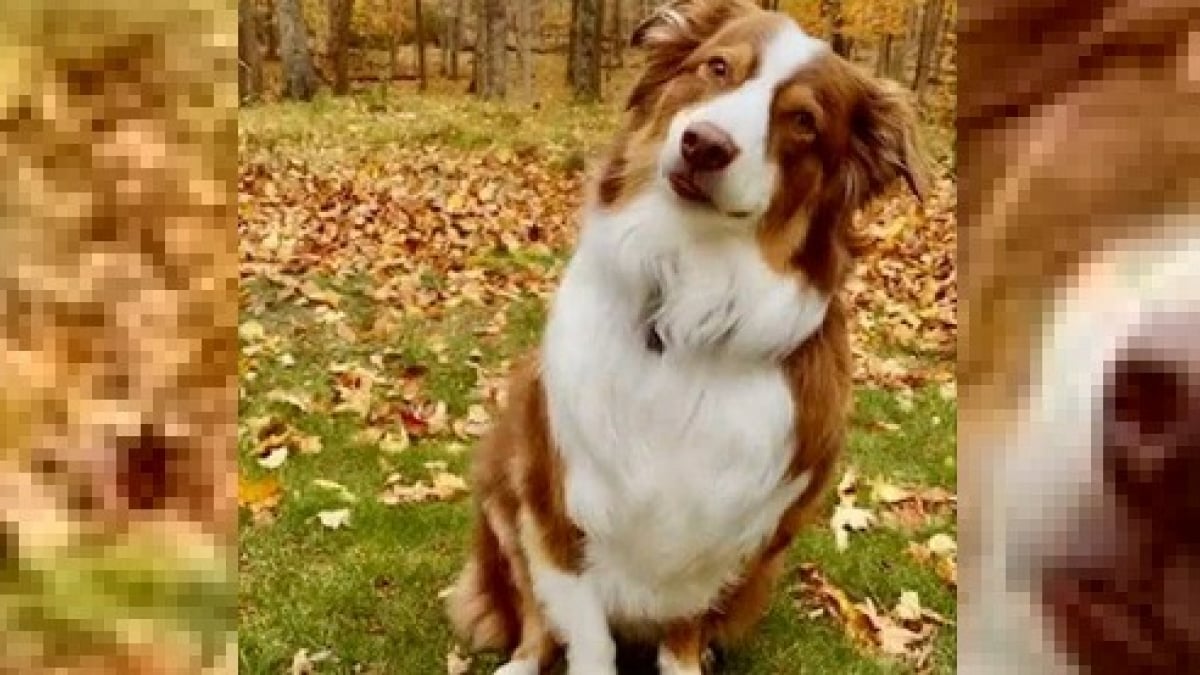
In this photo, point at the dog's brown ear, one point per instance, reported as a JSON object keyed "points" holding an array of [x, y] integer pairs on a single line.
{"points": [[886, 141], [672, 32]]}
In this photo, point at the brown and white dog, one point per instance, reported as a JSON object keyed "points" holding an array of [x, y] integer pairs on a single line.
{"points": [[687, 405]]}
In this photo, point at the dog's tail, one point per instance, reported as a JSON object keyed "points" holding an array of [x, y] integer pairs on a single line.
{"points": [[483, 605]]}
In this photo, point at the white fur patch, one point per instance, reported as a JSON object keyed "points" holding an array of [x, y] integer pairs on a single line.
{"points": [[675, 461], [572, 606], [521, 667], [1049, 466], [748, 184], [669, 665]]}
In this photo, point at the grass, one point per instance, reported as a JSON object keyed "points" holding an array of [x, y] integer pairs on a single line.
{"points": [[368, 592]]}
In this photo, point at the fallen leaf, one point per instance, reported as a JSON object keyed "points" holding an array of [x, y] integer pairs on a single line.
{"points": [[886, 493], [301, 401], [908, 608], [304, 664], [456, 663], [274, 459], [335, 518], [942, 544], [342, 491], [307, 444], [258, 494], [352, 388], [905, 633], [848, 486], [448, 485], [395, 442], [251, 331], [847, 519]]}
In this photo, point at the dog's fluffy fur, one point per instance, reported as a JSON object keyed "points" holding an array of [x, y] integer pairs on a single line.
{"points": [[687, 406]]}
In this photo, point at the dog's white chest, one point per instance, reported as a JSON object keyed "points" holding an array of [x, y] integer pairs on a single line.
{"points": [[676, 462], [677, 474]]}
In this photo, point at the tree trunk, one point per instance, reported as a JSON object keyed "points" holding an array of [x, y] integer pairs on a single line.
{"points": [[525, 46], [912, 32], [572, 44], [299, 78], [940, 48], [422, 66], [340, 12], [444, 66], [587, 24], [618, 32], [396, 28], [883, 60], [269, 35], [831, 13], [931, 21], [490, 50], [250, 72], [455, 32], [537, 12]]}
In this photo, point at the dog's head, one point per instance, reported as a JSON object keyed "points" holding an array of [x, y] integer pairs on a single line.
{"points": [[750, 123]]}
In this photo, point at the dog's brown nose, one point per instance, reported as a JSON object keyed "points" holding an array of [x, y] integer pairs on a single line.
{"points": [[1152, 438], [706, 147]]}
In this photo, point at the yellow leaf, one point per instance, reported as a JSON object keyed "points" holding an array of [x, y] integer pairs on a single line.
{"points": [[258, 493]]}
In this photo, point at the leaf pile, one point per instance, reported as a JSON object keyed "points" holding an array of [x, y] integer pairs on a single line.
{"points": [[905, 632], [433, 228]]}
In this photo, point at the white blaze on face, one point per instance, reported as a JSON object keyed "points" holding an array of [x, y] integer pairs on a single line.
{"points": [[747, 185]]}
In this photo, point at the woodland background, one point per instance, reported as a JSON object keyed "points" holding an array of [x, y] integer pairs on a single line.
{"points": [[512, 50]]}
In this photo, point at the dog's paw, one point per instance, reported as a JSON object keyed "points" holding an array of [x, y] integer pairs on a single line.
{"points": [[519, 667]]}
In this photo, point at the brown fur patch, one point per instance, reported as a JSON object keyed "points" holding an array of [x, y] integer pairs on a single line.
{"points": [[515, 468], [841, 138], [685, 641]]}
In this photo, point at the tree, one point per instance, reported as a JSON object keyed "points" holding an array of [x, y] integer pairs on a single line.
{"points": [[491, 52], [422, 69], [250, 72], [525, 38], [340, 13], [618, 36], [299, 77], [268, 29], [931, 24], [831, 13], [587, 19]]}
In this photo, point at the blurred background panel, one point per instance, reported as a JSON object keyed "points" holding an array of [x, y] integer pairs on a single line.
{"points": [[118, 317]]}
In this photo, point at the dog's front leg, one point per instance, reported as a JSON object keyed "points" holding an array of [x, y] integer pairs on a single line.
{"points": [[572, 607], [681, 651]]}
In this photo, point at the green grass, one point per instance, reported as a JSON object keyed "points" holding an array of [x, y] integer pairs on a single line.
{"points": [[369, 592]]}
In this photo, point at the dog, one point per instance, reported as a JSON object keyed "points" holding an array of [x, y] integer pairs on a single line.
{"points": [[687, 406], [1080, 373]]}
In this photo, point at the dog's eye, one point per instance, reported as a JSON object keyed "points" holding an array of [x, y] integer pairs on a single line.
{"points": [[718, 66], [804, 121]]}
